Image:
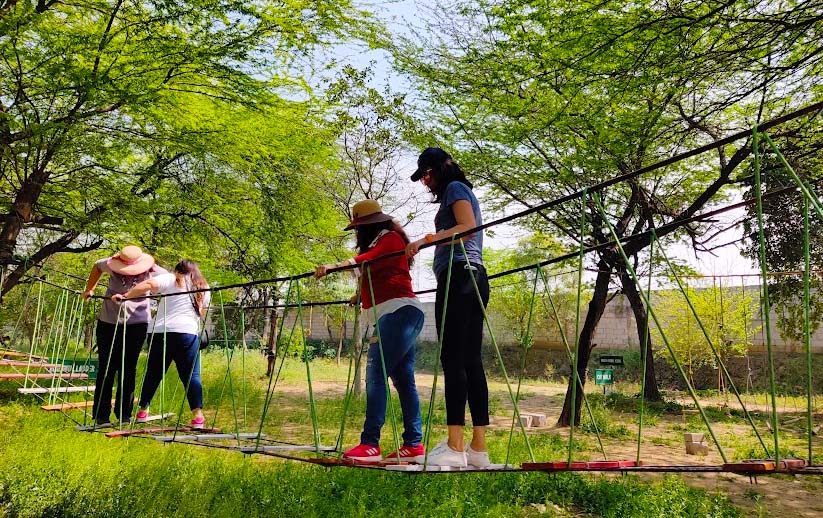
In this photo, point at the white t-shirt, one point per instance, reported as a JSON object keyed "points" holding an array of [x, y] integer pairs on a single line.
{"points": [[175, 313]]}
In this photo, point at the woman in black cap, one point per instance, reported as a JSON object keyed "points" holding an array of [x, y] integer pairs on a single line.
{"points": [[460, 357]]}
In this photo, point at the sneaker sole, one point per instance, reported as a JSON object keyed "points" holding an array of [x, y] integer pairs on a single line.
{"points": [[365, 460]]}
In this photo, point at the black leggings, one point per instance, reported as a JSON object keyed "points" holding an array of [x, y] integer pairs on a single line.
{"points": [[462, 339], [113, 362]]}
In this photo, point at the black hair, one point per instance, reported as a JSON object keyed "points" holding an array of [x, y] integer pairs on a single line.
{"points": [[445, 174], [365, 234]]}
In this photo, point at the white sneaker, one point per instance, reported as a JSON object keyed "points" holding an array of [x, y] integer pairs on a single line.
{"points": [[444, 455], [478, 459]]}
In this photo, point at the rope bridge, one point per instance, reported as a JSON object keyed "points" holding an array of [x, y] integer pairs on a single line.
{"points": [[60, 336]]}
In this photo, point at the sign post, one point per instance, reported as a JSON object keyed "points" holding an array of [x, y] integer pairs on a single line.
{"points": [[604, 377]]}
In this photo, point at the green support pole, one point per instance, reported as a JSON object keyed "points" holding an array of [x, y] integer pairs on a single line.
{"points": [[574, 373], [807, 338], [312, 404], [766, 307], [526, 343], [643, 349]]}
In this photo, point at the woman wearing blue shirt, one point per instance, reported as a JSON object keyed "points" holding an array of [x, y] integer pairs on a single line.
{"points": [[460, 357]]}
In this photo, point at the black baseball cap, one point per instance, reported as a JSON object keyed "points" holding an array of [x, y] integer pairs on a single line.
{"points": [[430, 157]]}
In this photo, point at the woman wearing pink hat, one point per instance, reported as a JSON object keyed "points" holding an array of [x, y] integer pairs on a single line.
{"points": [[399, 319], [121, 330]]}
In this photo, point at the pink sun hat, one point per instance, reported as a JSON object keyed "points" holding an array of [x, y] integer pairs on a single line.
{"points": [[131, 261]]}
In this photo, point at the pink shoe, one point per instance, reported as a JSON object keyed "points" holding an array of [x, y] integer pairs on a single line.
{"points": [[198, 422], [142, 416]]}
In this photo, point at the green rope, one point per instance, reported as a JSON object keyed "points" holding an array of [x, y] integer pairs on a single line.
{"points": [[389, 400], [243, 364], [201, 324], [713, 348], [631, 271], [565, 342], [349, 386], [766, 307], [150, 342], [230, 356], [35, 331], [644, 350], [575, 374], [350, 376], [526, 343], [270, 388], [499, 356], [429, 424], [312, 403]]}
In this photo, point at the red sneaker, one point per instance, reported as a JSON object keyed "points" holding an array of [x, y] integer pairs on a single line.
{"points": [[364, 453], [412, 454]]}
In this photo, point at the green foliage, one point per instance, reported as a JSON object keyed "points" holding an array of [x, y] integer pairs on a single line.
{"points": [[516, 299], [180, 126], [725, 314]]}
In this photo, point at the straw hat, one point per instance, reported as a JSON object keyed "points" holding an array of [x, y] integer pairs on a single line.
{"points": [[366, 212], [131, 261]]}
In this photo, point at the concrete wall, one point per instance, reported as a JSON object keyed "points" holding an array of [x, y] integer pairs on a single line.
{"points": [[616, 330]]}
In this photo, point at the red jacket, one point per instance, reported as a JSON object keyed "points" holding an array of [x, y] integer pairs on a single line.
{"points": [[390, 277]]}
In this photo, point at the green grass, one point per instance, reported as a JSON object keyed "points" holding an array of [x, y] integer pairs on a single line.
{"points": [[47, 469]]}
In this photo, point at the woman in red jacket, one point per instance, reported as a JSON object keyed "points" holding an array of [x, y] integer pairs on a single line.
{"points": [[399, 320]]}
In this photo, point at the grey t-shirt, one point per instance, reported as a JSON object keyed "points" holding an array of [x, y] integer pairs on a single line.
{"points": [[135, 311], [445, 220]]}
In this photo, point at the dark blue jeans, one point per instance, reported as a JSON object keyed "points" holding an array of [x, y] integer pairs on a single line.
{"points": [[184, 350], [398, 332]]}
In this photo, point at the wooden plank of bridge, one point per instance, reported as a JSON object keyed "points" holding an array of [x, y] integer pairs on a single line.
{"points": [[18, 354], [36, 365], [42, 376], [50, 390]]}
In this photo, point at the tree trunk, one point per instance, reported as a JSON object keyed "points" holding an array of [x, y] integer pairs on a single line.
{"points": [[342, 338], [652, 391], [357, 339], [21, 212], [271, 352], [597, 305]]}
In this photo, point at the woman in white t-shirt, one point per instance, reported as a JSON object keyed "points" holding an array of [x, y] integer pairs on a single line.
{"points": [[178, 322]]}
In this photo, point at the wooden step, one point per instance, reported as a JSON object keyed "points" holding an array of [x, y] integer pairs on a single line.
{"points": [[18, 354], [70, 406], [43, 376], [52, 390], [157, 429], [36, 365]]}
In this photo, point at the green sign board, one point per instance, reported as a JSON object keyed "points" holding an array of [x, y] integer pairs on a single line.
{"points": [[604, 376], [89, 367]]}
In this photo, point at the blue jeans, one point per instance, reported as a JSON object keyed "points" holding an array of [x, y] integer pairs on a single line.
{"points": [[184, 350], [398, 331]]}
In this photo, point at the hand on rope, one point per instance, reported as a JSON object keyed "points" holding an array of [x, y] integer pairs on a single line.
{"points": [[322, 270], [118, 297], [414, 247]]}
